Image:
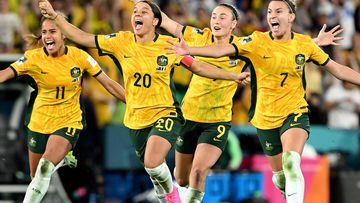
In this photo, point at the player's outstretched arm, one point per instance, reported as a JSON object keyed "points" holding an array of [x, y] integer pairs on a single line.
{"points": [[70, 31], [206, 70], [111, 86], [6, 74], [214, 50], [170, 25], [329, 38]]}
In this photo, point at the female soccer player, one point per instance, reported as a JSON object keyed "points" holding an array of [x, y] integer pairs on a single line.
{"points": [[279, 110], [207, 104], [152, 113], [55, 113]]}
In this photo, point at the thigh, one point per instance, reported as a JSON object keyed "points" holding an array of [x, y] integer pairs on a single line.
{"points": [[295, 132], [206, 155], [36, 142], [56, 148], [214, 134], [139, 139], [187, 140], [270, 141]]}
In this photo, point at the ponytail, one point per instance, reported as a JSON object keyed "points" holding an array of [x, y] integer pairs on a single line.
{"points": [[33, 41]]}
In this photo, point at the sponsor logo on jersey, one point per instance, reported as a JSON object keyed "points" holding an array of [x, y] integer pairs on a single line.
{"points": [[300, 59], [21, 60], [92, 61], [75, 72], [110, 35], [245, 40], [198, 31], [233, 62]]}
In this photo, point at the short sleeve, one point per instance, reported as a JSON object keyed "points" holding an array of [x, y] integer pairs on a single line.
{"points": [[106, 43], [90, 65], [21, 66], [245, 44], [195, 36], [318, 56]]}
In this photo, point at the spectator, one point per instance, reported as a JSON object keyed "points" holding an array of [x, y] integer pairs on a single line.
{"points": [[10, 25], [342, 101]]}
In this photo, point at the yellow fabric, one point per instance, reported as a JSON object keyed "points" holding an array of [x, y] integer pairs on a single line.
{"points": [[209, 100], [146, 71], [279, 80], [58, 81]]}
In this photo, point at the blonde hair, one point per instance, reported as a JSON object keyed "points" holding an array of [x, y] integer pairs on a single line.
{"points": [[32, 41]]}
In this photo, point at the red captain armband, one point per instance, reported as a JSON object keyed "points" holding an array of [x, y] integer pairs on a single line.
{"points": [[187, 61]]}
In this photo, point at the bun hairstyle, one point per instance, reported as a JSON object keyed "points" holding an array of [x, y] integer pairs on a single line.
{"points": [[155, 9], [233, 10], [291, 4]]}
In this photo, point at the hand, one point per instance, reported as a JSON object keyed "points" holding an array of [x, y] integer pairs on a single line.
{"points": [[243, 78], [180, 48], [330, 37], [47, 10]]}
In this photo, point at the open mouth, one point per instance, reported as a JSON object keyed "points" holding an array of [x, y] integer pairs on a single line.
{"points": [[50, 44], [217, 28], [275, 25], [138, 24]]}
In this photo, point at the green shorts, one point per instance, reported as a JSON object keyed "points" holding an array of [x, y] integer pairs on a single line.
{"points": [[37, 141], [270, 139], [167, 127], [194, 133]]}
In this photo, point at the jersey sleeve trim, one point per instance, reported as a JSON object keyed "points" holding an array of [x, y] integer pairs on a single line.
{"points": [[323, 64], [12, 68], [97, 74], [236, 49], [183, 29], [98, 46], [327, 61]]}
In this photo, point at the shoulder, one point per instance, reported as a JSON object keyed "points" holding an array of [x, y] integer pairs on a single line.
{"points": [[302, 38], [34, 53], [165, 38], [74, 51]]}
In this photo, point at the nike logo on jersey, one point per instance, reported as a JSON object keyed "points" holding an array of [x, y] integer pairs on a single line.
{"points": [[126, 56], [294, 124], [266, 57], [42, 72]]}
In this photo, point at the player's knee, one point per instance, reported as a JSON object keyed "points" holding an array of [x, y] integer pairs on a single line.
{"points": [[199, 173], [291, 165]]}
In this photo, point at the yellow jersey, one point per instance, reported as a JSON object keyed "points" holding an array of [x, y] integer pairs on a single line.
{"points": [[55, 103], [277, 75], [208, 100], [147, 71]]}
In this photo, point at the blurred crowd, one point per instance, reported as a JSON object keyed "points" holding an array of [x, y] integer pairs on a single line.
{"points": [[332, 103]]}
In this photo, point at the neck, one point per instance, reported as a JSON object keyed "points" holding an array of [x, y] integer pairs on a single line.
{"points": [[148, 37], [222, 39], [60, 52], [285, 37]]}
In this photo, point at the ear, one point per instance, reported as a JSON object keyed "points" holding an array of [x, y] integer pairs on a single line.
{"points": [[292, 17], [233, 24], [155, 22]]}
